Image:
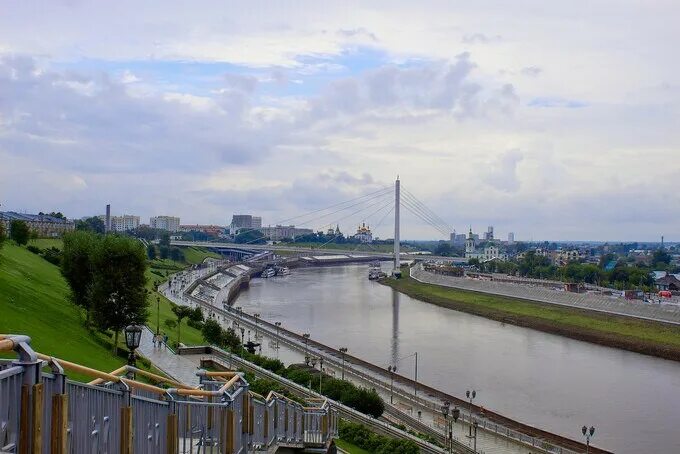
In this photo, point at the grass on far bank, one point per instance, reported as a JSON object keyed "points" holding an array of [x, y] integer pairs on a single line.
{"points": [[637, 335], [44, 243]]}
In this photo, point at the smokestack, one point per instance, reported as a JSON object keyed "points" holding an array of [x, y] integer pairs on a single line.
{"points": [[108, 219]]}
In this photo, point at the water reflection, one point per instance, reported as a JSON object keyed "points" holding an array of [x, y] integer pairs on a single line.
{"points": [[395, 326]]}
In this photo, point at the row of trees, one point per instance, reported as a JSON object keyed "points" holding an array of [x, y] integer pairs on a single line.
{"points": [[532, 265], [361, 399], [106, 275]]}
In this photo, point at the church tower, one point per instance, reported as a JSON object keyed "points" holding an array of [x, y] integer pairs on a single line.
{"points": [[470, 243]]}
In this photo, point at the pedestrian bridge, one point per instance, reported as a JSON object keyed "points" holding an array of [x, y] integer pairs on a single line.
{"points": [[42, 410]]}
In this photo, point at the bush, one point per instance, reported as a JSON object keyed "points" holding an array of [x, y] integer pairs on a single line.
{"points": [[197, 324], [34, 249], [365, 439], [52, 255]]}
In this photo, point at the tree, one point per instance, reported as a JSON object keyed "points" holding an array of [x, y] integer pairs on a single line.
{"points": [[443, 248], [660, 256], [3, 236], [165, 239], [176, 254], [151, 252], [91, 224], [118, 288], [250, 237], [212, 332], [181, 312], [19, 232], [165, 252], [77, 267]]}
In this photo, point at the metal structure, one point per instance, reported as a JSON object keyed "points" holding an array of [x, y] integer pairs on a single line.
{"points": [[46, 412]]}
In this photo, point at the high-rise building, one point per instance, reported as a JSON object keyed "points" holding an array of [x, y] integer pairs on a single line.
{"points": [[488, 236], [121, 223], [107, 220], [245, 221], [511, 237], [169, 223]]}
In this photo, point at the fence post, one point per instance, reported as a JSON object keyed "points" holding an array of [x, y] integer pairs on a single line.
{"points": [[126, 430], [30, 418], [230, 432], [266, 424], [37, 415], [59, 424]]}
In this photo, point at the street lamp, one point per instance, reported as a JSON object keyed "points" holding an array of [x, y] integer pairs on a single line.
{"points": [[343, 350], [391, 370], [243, 332], [257, 319], [588, 433], [278, 325], [445, 412], [320, 372], [306, 337], [471, 395], [133, 336], [158, 315]]}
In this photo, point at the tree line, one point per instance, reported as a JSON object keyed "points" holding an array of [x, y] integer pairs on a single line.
{"points": [[106, 274]]}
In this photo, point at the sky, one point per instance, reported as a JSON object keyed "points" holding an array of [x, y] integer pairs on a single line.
{"points": [[553, 120]]}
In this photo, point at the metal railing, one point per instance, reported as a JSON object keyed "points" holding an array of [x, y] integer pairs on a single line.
{"points": [[45, 412]]}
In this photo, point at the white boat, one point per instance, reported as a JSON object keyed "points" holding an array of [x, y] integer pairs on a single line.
{"points": [[268, 272], [282, 271]]}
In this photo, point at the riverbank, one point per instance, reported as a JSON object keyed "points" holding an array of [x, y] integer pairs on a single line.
{"points": [[640, 336]]}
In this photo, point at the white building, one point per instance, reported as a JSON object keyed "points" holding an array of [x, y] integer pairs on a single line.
{"points": [[123, 223], [490, 252], [364, 233], [280, 232], [169, 223]]}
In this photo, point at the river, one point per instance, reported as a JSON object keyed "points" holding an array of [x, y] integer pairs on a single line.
{"points": [[552, 382]]}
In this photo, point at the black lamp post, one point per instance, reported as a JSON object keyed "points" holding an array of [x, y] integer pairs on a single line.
{"points": [[133, 336], [445, 412], [158, 315], [306, 337], [343, 350], [243, 332], [588, 433], [391, 370], [470, 395], [257, 319], [278, 325]]}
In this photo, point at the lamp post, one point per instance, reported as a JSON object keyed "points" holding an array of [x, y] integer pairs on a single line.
{"points": [[278, 325], [445, 412], [456, 415], [343, 350], [257, 319], [243, 332], [320, 372], [133, 336], [158, 315], [470, 395], [588, 433], [306, 337], [391, 370]]}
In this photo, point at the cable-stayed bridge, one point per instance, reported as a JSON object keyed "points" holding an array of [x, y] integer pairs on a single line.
{"points": [[376, 205]]}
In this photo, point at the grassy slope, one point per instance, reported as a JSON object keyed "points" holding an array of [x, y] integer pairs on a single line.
{"points": [[350, 448], [34, 301], [197, 254], [622, 332], [44, 243]]}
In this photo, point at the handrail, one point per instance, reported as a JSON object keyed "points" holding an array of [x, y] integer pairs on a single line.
{"points": [[103, 375]]}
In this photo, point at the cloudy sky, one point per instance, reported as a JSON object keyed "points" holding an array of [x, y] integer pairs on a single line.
{"points": [[552, 120]]}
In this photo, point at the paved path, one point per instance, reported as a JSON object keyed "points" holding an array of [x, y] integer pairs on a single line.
{"points": [[177, 367], [667, 313]]}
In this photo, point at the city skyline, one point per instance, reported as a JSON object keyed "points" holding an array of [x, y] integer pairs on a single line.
{"points": [[533, 119]]}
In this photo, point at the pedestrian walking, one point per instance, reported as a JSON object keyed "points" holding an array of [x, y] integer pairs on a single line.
{"points": [[165, 341], [153, 339]]}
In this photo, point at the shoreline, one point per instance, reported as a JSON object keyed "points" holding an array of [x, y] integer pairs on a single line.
{"points": [[453, 300]]}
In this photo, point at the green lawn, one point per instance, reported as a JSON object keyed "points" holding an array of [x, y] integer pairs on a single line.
{"points": [[44, 243], [350, 448], [623, 332], [34, 301], [195, 255]]}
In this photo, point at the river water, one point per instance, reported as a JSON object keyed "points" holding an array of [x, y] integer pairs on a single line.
{"points": [[549, 381]]}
